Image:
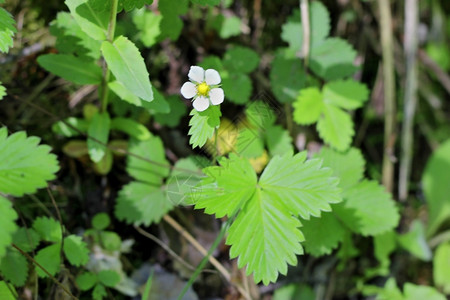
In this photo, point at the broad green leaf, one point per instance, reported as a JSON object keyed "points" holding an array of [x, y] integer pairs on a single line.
{"points": [[14, 267], [149, 165], [420, 292], [2, 91], [26, 239], [109, 278], [48, 229], [71, 68], [127, 65], [76, 250], [28, 165], [202, 125], [62, 128], [437, 188], [287, 77], [278, 140], [131, 127], [308, 107], [206, 2], [347, 94], [249, 143], [7, 224], [259, 114], [93, 22], [142, 203], [86, 281], [323, 234], [241, 59], [7, 30], [7, 291], [212, 62], [129, 5], [49, 258], [265, 232], [147, 24], [171, 26], [441, 267], [415, 242], [237, 87], [294, 291], [336, 127], [167, 7], [99, 292], [368, 209], [101, 221], [98, 132]]}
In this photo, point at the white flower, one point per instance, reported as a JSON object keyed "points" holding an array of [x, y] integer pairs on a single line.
{"points": [[203, 87]]}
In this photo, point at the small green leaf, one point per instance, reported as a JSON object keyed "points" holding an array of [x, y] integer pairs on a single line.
{"points": [[29, 166], [86, 281], [104, 166], [203, 125], [148, 27], [7, 291], [336, 127], [278, 140], [7, 224], [98, 132], [415, 242], [48, 229], [63, 129], [110, 240], [229, 26], [237, 87], [7, 30], [101, 221], [347, 94], [26, 239], [308, 107], [420, 292], [71, 68], [385, 244], [259, 114], [75, 148], [14, 267], [99, 292], [241, 59], [130, 127], [93, 22], [49, 259], [127, 65], [76, 250], [2, 91], [441, 267], [109, 278]]}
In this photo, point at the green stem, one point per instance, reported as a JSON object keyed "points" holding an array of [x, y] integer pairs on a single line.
{"points": [[107, 72]]}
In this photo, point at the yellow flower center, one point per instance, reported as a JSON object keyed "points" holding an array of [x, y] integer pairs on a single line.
{"points": [[203, 89]]}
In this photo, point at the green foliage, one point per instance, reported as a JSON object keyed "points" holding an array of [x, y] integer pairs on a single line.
{"points": [[411, 292], [415, 242], [129, 5], [29, 166], [7, 30], [177, 111], [441, 267], [7, 223], [48, 229], [108, 277], [98, 132], [294, 291], [7, 291], [265, 233], [131, 127], [76, 250], [101, 221], [171, 24], [14, 267], [206, 2], [86, 281], [26, 239], [203, 125], [92, 21], [62, 128], [49, 258], [148, 24], [2, 91]]}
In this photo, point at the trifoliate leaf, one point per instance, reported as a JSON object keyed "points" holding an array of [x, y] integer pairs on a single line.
{"points": [[7, 291], [48, 229], [131, 127], [441, 267], [237, 87], [265, 232], [26, 239], [147, 24], [101, 221], [287, 77], [76, 250], [49, 259], [415, 241], [203, 125], [29, 166], [347, 94], [348, 166], [7, 224], [7, 30], [14, 267], [99, 292], [308, 107], [109, 278], [86, 281], [318, 240], [150, 164], [129, 5], [98, 132], [278, 140], [368, 209], [142, 203], [127, 65], [420, 292], [336, 127], [93, 22], [436, 187], [241, 59]]}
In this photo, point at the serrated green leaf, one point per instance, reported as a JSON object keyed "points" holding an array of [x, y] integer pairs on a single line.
{"points": [[49, 259], [185, 176], [202, 125], [7, 223], [147, 23], [368, 209], [127, 65], [436, 187], [71, 68], [309, 106], [336, 127], [278, 140], [420, 292], [241, 59], [86, 281], [7, 292], [28, 165], [441, 267], [101, 221], [237, 87], [265, 232], [347, 94], [153, 170], [93, 22], [287, 77], [99, 292], [62, 128], [14, 267], [7, 30], [131, 127], [249, 143], [48, 229], [26, 239], [109, 278], [323, 234], [259, 114], [142, 203], [415, 242], [129, 5], [98, 132], [76, 250]]}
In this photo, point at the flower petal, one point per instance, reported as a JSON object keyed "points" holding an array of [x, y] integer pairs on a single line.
{"points": [[196, 74], [188, 90], [216, 96], [212, 77], [201, 103]]}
